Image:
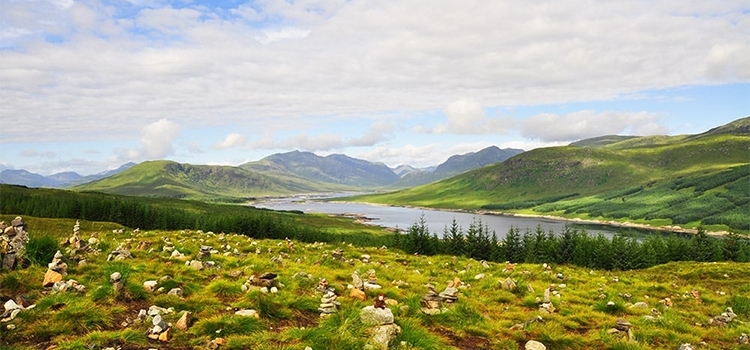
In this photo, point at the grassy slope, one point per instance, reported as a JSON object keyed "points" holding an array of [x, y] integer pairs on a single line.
{"points": [[481, 318], [585, 173]]}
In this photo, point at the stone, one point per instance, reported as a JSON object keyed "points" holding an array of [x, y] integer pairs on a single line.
{"points": [[382, 335], [534, 345], [158, 321], [479, 276], [743, 339], [508, 284], [357, 281], [247, 313], [372, 316], [357, 294], [176, 292], [115, 277], [547, 308], [51, 277], [622, 325], [195, 265], [185, 320], [166, 335], [150, 285], [686, 346], [640, 305]]}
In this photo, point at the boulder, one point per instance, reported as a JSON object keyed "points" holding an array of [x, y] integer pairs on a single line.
{"points": [[372, 316], [185, 320], [534, 345], [51, 277], [382, 335]]}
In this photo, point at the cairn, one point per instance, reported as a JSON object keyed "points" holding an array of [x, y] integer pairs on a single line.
{"points": [[725, 318], [372, 281], [120, 253], [432, 302], [204, 253], [323, 286], [161, 330], [262, 282], [381, 319], [56, 270], [623, 329], [450, 294], [338, 254], [13, 241], [168, 245], [328, 304], [357, 287]]}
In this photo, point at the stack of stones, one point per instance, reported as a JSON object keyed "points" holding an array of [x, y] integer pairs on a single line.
{"points": [[264, 281], [432, 302], [116, 279], [56, 270], [381, 318], [722, 320], [622, 329], [357, 287], [372, 281], [120, 253], [13, 240], [450, 294], [328, 304], [204, 253], [338, 254], [161, 330], [546, 307], [168, 245]]}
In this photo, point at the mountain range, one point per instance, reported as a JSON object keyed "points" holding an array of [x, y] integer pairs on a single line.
{"points": [[278, 174]]}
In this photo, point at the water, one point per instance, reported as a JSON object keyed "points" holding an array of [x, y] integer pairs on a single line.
{"points": [[436, 220]]}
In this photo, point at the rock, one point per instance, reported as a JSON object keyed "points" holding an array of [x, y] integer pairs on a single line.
{"points": [[195, 265], [546, 296], [640, 305], [743, 339], [51, 277], [247, 313], [150, 285], [382, 335], [622, 325], [508, 284], [157, 321], [479, 276], [610, 303], [176, 292], [534, 345], [686, 346], [547, 308], [185, 320], [372, 316], [166, 335], [357, 294]]}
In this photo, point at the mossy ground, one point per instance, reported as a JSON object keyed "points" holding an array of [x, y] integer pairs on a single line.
{"points": [[480, 319]]}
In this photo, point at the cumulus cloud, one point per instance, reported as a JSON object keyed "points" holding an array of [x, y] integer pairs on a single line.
{"points": [[302, 141], [232, 140], [156, 140], [377, 133], [574, 126], [37, 154]]}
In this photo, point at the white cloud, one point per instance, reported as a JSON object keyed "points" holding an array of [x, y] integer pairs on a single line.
{"points": [[377, 133], [232, 140], [574, 126], [156, 140]]}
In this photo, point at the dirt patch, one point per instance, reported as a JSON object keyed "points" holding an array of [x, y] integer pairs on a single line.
{"points": [[466, 341]]}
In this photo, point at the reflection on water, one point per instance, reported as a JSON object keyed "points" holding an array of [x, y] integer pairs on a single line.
{"points": [[437, 220]]}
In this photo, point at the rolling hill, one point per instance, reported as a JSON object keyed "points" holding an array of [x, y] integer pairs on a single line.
{"points": [[686, 180]]}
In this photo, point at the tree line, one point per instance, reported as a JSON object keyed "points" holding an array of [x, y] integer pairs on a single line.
{"points": [[572, 246]]}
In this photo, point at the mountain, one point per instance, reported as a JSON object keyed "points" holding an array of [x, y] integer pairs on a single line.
{"points": [[683, 179], [165, 178], [455, 165], [403, 170], [58, 180], [26, 178], [99, 176], [336, 169]]}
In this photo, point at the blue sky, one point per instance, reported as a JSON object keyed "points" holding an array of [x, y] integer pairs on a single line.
{"points": [[89, 85]]}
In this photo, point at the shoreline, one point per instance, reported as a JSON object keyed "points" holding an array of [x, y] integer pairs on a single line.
{"points": [[611, 223]]}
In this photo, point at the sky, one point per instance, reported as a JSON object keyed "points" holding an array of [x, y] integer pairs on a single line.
{"points": [[89, 85]]}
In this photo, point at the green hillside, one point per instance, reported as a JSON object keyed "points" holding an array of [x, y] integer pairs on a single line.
{"points": [[170, 179], [665, 180]]}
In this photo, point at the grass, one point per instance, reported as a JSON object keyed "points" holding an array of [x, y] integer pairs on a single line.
{"points": [[481, 318]]}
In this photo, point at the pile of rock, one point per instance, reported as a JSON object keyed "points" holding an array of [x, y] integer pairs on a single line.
{"points": [[204, 253], [357, 288], [56, 270], [338, 254], [372, 281], [431, 302], [722, 320], [77, 244], [508, 284], [116, 279], [120, 253], [265, 282], [161, 330], [528, 322], [450, 294], [622, 329], [168, 245], [381, 319], [13, 241], [328, 304], [13, 308], [547, 307]]}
